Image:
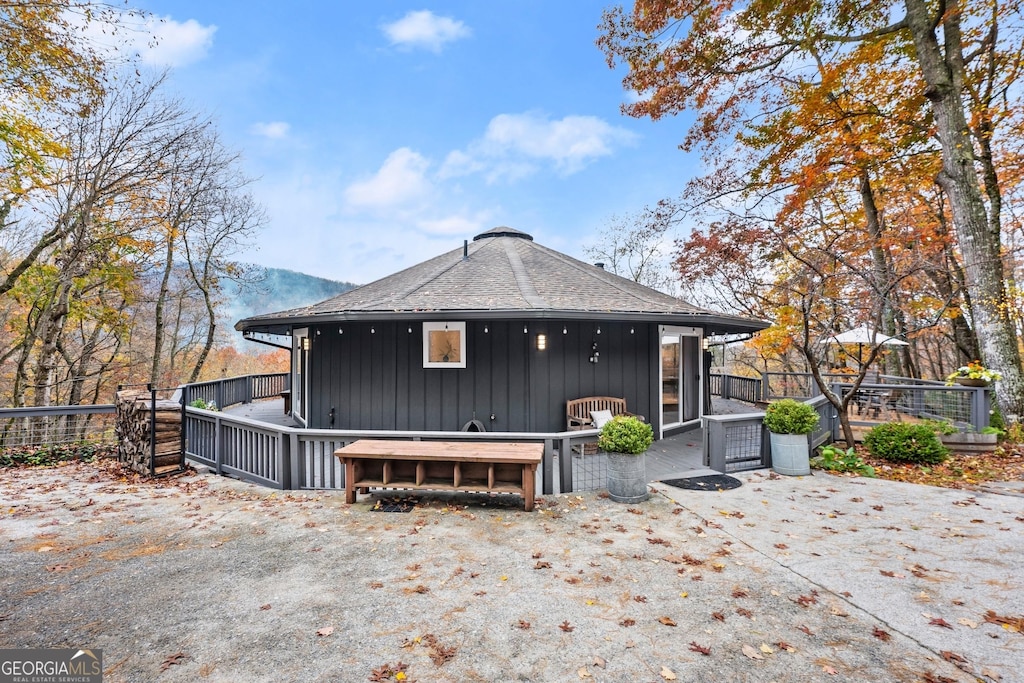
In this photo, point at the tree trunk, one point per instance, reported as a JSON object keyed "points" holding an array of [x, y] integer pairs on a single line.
{"points": [[158, 314], [943, 70]]}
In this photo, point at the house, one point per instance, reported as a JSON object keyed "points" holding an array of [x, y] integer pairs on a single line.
{"points": [[495, 336]]}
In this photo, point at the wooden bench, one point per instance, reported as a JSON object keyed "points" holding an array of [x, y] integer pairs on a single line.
{"points": [[441, 466], [577, 411], [287, 396], [577, 415]]}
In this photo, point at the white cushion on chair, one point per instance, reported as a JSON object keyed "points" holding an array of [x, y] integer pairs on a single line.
{"points": [[600, 417]]}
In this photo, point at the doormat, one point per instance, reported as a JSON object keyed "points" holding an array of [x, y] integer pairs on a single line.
{"points": [[394, 505], [711, 482]]}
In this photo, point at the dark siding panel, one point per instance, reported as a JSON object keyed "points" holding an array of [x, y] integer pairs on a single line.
{"points": [[499, 373], [482, 361], [377, 380], [417, 381], [545, 383], [518, 378]]}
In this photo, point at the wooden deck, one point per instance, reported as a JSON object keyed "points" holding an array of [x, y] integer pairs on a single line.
{"points": [[674, 457]]}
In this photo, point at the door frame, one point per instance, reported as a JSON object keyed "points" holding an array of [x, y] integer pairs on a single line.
{"points": [[679, 332]]}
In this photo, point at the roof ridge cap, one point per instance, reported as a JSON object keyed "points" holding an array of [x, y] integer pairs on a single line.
{"points": [[523, 281]]}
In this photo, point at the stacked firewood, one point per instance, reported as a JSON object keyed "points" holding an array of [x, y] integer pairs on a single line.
{"points": [[137, 416]]}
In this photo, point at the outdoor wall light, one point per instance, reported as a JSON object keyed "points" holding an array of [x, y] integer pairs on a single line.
{"points": [[485, 329], [341, 331], [373, 331], [542, 342], [705, 344], [305, 343], [565, 330], [410, 330], [599, 329], [631, 331], [525, 331]]}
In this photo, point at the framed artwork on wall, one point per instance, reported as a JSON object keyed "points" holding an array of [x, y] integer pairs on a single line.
{"points": [[444, 345]]}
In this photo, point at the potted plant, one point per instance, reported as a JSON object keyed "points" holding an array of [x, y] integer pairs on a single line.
{"points": [[974, 374], [626, 439], [790, 422]]}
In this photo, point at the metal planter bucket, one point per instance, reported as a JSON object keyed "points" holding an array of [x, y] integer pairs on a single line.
{"points": [[627, 478], [791, 454]]}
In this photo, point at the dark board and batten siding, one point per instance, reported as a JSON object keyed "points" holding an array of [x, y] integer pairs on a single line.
{"points": [[376, 380]]}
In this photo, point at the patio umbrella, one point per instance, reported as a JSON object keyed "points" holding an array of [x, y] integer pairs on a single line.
{"points": [[863, 335]]}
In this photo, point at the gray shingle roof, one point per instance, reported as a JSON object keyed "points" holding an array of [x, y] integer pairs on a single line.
{"points": [[505, 274]]}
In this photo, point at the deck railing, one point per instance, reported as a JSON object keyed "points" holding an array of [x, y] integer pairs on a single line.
{"points": [[50, 425], [234, 390], [733, 443], [297, 458], [747, 389]]}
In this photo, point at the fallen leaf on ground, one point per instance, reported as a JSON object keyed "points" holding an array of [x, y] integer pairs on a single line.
{"points": [[939, 621], [1015, 624], [599, 662], [751, 652], [964, 621], [880, 634], [694, 647], [667, 674], [583, 673], [172, 660], [566, 626], [667, 621], [325, 631]]}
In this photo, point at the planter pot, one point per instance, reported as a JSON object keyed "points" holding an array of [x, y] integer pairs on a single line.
{"points": [[627, 478], [791, 454], [971, 382], [969, 443]]}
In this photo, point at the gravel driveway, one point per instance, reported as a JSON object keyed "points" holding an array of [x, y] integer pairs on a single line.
{"points": [[783, 579]]}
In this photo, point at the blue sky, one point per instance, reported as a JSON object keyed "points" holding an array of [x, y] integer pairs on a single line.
{"points": [[385, 133]]}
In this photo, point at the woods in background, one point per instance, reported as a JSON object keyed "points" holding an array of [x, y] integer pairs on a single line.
{"points": [[864, 168], [121, 210]]}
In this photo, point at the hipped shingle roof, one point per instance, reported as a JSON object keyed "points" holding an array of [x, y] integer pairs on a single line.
{"points": [[503, 273]]}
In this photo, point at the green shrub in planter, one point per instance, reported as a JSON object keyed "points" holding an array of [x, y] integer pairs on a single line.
{"points": [[790, 417], [902, 442], [625, 434]]}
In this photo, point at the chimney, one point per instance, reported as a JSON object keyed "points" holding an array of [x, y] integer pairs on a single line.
{"points": [[465, 250], [599, 265]]}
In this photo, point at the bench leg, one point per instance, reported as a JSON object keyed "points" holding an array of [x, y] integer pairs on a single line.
{"points": [[350, 479], [529, 479]]}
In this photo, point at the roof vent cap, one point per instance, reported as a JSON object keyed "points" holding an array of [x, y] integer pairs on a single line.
{"points": [[503, 231]]}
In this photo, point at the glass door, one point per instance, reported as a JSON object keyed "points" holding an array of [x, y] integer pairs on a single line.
{"points": [[680, 376], [670, 357]]}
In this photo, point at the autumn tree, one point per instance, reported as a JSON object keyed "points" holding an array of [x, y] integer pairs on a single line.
{"points": [[49, 67], [751, 71], [638, 247]]}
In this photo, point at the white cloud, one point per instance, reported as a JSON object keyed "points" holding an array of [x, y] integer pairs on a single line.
{"points": [[175, 43], [275, 130], [514, 145], [400, 180], [425, 29], [454, 225]]}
